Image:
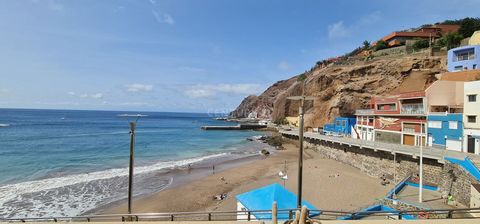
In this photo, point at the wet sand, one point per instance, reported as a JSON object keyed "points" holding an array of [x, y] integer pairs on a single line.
{"points": [[348, 191]]}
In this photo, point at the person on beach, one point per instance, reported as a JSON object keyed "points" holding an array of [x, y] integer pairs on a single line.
{"points": [[213, 168]]}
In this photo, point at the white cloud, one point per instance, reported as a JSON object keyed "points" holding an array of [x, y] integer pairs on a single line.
{"points": [[71, 93], [337, 30], [283, 66], [153, 2], [136, 87], [165, 18], [97, 96], [206, 91], [86, 95]]}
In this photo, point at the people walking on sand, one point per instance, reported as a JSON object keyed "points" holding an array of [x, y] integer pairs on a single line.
{"points": [[213, 168]]}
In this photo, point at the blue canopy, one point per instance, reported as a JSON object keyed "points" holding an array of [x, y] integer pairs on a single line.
{"points": [[263, 198]]}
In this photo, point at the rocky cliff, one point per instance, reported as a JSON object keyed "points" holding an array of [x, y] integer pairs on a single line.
{"points": [[340, 89]]}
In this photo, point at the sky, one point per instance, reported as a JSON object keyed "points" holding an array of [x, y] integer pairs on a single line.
{"points": [[183, 55]]}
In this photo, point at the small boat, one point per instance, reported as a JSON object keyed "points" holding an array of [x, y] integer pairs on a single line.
{"points": [[4, 125]]}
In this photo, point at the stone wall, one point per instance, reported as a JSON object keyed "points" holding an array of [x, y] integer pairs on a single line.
{"points": [[378, 163], [456, 181], [449, 177]]}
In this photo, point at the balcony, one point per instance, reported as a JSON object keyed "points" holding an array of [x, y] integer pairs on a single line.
{"points": [[412, 109], [364, 112]]}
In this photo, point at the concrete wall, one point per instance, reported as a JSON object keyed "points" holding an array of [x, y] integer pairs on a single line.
{"points": [[471, 108], [468, 64], [444, 93], [438, 136]]}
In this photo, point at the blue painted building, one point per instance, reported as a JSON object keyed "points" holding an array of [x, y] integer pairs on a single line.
{"points": [[464, 58], [263, 198], [445, 130], [340, 126]]}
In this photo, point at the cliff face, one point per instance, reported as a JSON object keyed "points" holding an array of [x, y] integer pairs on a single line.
{"points": [[341, 89]]}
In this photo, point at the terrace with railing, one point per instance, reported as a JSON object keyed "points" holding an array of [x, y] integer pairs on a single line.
{"points": [[416, 108]]}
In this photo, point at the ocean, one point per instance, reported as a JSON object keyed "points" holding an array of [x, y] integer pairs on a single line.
{"points": [[67, 162]]}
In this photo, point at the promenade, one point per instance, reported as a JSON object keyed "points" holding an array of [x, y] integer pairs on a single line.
{"points": [[414, 151]]}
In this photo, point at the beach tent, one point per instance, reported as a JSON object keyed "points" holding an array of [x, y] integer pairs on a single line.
{"points": [[263, 198]]}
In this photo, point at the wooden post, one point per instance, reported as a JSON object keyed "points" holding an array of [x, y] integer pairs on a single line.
{"points": [[274, 213], [297, 217], [303, 215]]}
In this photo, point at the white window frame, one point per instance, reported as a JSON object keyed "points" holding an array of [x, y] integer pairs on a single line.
{"points": [[453, 125], [434, 124]]}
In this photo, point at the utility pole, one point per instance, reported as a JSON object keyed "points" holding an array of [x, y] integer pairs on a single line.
{"points": [[133, 125], [130, 167], [420, 187], [301, 111]]}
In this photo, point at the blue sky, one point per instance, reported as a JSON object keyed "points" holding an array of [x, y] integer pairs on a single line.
{"points": [[178, 55]]}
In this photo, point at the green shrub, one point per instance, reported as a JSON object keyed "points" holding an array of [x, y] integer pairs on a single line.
{"points": [[420, 44], [450, 40], [381, 44]]}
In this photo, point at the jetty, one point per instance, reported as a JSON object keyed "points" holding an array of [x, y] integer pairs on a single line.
{"points": [[246, 126]]}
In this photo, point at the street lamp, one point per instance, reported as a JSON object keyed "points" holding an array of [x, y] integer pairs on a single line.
{"points": [[302, 99], [132, 120], [420, 182]]}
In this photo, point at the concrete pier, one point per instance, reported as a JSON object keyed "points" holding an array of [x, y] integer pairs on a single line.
{"points": [[246, 126]]}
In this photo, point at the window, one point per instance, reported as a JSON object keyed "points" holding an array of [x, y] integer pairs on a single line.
{"points": [[472, 98], [434, 124], [474, 66], [453, 124], [472, 119], [465, 55], [387, 107], [458, 68]]}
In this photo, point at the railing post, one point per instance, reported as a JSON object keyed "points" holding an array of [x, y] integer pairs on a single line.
{"points": [[290, 215], [450, 214], [399, 215], [88, 219], [274, 213], [171, 217], [248, 215], [209, 216]]}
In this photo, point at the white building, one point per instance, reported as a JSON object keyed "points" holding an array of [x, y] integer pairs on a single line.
{"points": [[471, 117]]}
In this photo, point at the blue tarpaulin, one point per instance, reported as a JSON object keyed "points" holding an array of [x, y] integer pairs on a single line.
{"points": [[263, 198]]}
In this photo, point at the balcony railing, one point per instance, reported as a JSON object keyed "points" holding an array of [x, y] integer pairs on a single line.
{"points": [[364, 112], [412, 109]]}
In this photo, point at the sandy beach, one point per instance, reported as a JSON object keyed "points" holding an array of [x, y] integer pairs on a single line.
{"points": [[328, 185]]}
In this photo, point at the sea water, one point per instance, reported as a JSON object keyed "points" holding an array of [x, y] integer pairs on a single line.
{"points": [[66, 162]]}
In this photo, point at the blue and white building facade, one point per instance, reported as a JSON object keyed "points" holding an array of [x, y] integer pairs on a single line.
{"points": [[445, 130], [464, 58]]}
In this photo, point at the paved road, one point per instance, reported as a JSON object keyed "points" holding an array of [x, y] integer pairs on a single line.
{"points": [[414, 151]]}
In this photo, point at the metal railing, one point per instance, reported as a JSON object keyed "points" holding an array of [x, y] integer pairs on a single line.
{"points": [[412, 109], [283, 214], [364, 112]]}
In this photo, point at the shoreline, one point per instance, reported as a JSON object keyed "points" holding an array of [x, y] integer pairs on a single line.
{"points": [[181, 176], [348, 190]]}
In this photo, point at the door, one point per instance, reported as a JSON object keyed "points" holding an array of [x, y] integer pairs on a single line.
{"points": [[408, 140], [454, 145], [471, 144], [430, 140]]}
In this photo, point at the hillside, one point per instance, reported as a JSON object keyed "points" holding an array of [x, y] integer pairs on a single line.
{"points": [[341, 89]]}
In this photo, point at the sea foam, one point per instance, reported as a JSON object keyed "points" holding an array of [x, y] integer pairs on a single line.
{"points": [[75, 194]]}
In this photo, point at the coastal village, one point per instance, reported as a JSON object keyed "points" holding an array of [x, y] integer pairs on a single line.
{"points": [[389, 131], [434, 118]]}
